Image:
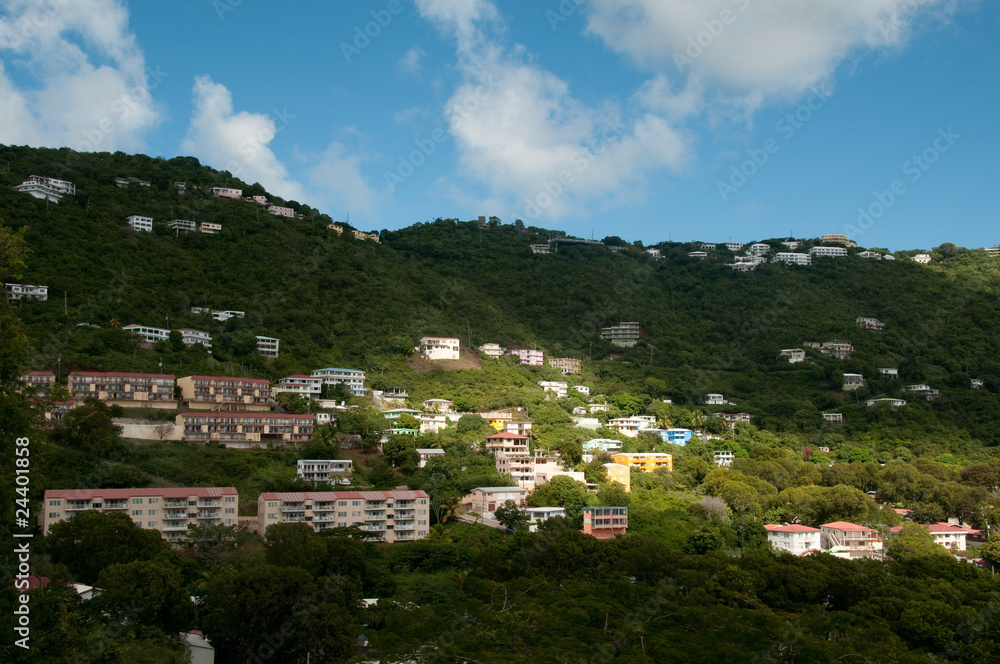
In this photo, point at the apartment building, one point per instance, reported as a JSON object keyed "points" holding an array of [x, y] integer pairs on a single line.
{"points": [[513, 444], [793, 354], [619, 472], [605, 522], [792, 258], [582, 389], [210, 228], [828, 251], [568, 365], [923, 259], [352, 378], [795, 539], [759, 249], [868, 323], [849, 540], [496, 418], [18, 292], [149, 334], [561, 389], [993, 252], [870, 254], [280, 211], [268, 347], [179, 226], [623, 335], [225, 192], [951, 536], [118, 388], [674, 436], [632, 426], [309, 387], [221, 316], [138, 222], [171, 511], [647, 462], [528, 357], [603, 445], [361, 235], [191, 337], [924, 391], [491, 350], [330, 471], [791, 244], [438, 348], [40, 383], [244, 430], [48, 188], [389, 516], [838, 348], [540, 248], [708, 246], [715, 400], [225, 393], [485, 500], [734, 246], [837, 238]]}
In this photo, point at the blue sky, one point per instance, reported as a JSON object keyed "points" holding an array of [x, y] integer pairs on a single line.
{"points": [[646, 119]]}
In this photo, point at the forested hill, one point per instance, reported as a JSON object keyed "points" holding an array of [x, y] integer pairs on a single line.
{"points": [[334, 300]]}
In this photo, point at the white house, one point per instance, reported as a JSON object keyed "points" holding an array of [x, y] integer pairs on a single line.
{"points": [[828, 251], [849, 540], [923, 259], [795, 539], [895, 403], [561, 389], [538, 515], [137, 222], [853, 381], [582, 389], [268, 346], [331, 471], [759, 249], [352, 378], [16, 292], [888, 372], [715, 400], [723, 458], [428, 453], [179, 226], [491, 350], [309, 387], [794, 355], [149, 334], [439, 348], [49, 188], [792, 258], [190, 337], [871, 254], [923, 390], [631, 427]]}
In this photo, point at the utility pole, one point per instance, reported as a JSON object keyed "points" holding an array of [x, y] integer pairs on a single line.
{"points": [[65, 306]]}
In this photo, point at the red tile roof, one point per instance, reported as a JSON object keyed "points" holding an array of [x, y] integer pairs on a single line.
{"points": [[329, 496], [208, 413], [792, 528], [119, 494], [236, 378], [844, 525], [120, 374]]}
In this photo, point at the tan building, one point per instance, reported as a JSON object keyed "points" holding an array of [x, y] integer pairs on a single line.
{"points": [[225, 392], [621, 473], [171, 511], [40, 382], [568, 365], [485, 500], [117, 388], [246, 430], [507, 443], [391, 516]]}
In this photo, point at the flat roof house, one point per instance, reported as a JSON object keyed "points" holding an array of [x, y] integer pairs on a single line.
{"points": [[49, 188], [647, 462], [439, 348], [149, 334], [225, 192], [18, 292], [309, 387], [352, 378], [794, 539], [268, 347], [330, 471], [137, 222], [605, 522], [624, 335]]}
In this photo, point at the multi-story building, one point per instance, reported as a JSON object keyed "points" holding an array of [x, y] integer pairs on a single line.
{"points": [[49, 188], [512, 444], [759, 249], [853, 381], [561, 389], [700, 255], [795, 539], [793, 354], [924, 391], [870, 254], [715, 400], [833, 417], [582, 389], [259, 199], [837, 238], [485, 500], [568, 365], [439, 348], [352, 378], [951, 536], [647, 462], [734, 246], [18, 292], [279, 211], [530, 471], [708, 246], [791, 244], [268, 347], [520, 427], [428, 453], [993, 252], [438, 405], [540, 248], [209, 228], [389, 516], [653, 253], [149, 334], [225, 192], [138, 222], [838, 348], [888, 257], [849, 540], [976, 383], [828, 251], [888, 372], [329, 471], [868, 323], [624, 335], [171, 511], [732, 418], [528, 357], [125, 182], [923, 259], [246, 430], [361, 235], [227, 393], [223, 316], [539, 515], [40, 383], [895, 403], [497, 418], [179, 226], [619, 472], [190, 337], [491, 350], [632, 426], [135, 390], [309, 387], [605, 522], [598, 407], [603, 445], [792, 258], [674, 436], [723, 458]]}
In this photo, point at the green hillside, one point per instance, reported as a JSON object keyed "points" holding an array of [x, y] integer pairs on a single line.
{"points": [[337, 301]]}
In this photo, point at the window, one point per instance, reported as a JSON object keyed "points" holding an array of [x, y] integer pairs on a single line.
{"points": [[342, 515], [137, 501], [153, 501], [55, 503], [272, 504], [151, 524], [150, 512], [136, 512], [421, 523], [272, 515], [230, 499], [230, 510], [53, 515]]}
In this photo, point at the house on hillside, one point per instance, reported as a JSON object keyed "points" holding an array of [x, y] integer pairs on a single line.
{"points": [[438, 348], [485, 500], [795, 539], [849, 540], [605, 522]]}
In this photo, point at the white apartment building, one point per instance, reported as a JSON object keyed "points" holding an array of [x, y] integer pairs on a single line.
{"points": [[171, 511], [389, 516], [268, 347], [734, 246], [149, 334], [438, 405], [653, 252], [828, 251], [849, 540], [330, 471], [895, 403], [700, 255], [540, 248], [432, 422], [223, 316], [792, 258], [561, 389], [179, 226], [17, 292], [492, 351], [280, 211], [352, 378], [137, 222], [794, 539], [49, 188], [871, 254], [833, 417], [190, 337], [708, 245], [794, 355], [631, 427], [438, 348], [582, 389], [623, 335], [759, 249], [539, 515], [923, 390], [948, 535], [309, 387]]}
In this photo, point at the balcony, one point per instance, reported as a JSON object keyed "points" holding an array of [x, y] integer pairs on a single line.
{"points": [[174, 527], [208, 515], [292, 519], [77, 507], [115, 506], [405, 527], [293, 508], [175, 503], [373, 528], [370, 507], [374, 517], [175, 514]]}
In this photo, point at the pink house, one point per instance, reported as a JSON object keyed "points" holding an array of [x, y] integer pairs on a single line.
{"points": [[281, 211], [531, 358], [259, 200], [225, 192]]}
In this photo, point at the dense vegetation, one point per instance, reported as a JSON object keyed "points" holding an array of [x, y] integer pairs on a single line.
{"points": [[691, 582]]}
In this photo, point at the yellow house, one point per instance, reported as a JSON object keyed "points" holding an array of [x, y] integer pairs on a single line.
{"points": [[620, 473], [647, 462]]}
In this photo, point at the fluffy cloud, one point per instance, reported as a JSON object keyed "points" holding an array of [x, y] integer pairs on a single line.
{"points": [[755, 48], [520, 131], [338, 175], [73, 101]]}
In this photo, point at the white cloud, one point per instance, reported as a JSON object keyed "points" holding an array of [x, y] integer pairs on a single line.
{"points": [[520, 131], [338, 175], [71, 100], [754, 48], [410, 62]]}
